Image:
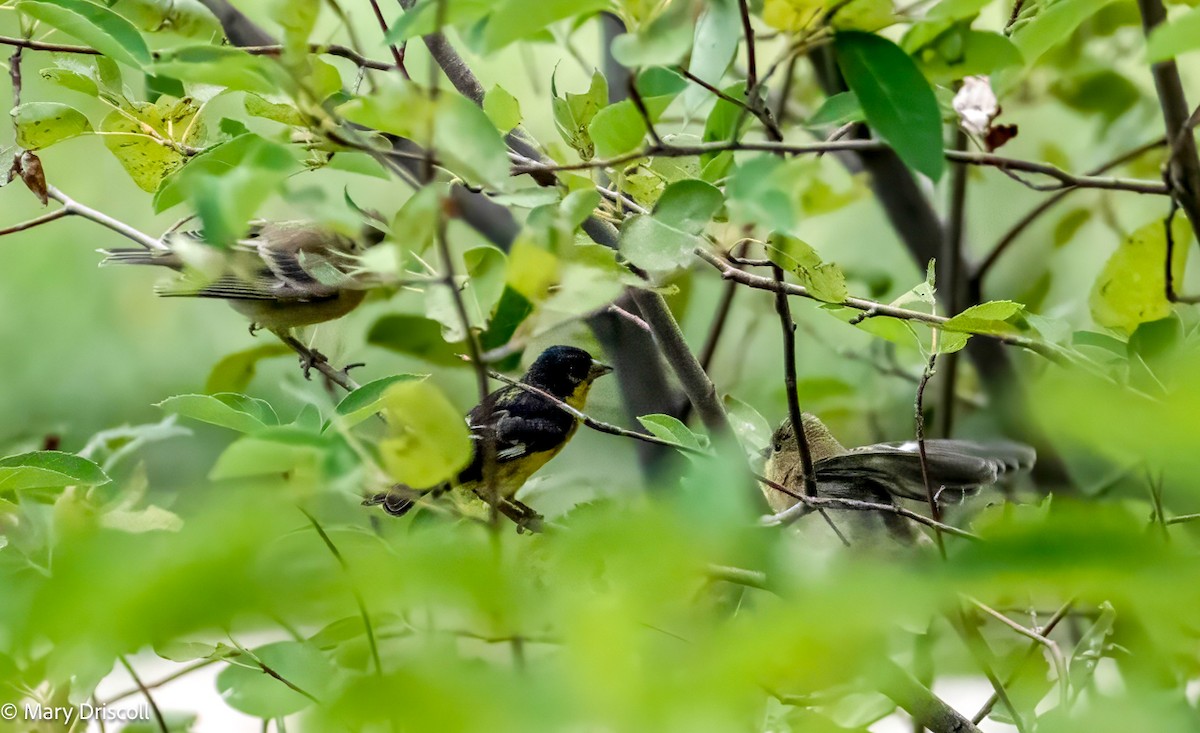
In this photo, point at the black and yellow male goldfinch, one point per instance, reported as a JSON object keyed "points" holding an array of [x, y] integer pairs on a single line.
{"points": [[883, 473], [527, 428], [281, 275]]}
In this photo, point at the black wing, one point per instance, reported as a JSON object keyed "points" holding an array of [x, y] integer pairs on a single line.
{"points": [[959, 466], [522, 423]]}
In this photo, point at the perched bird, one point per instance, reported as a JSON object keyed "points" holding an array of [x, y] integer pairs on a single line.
{"points": [[281, 275], [883, 473], [527, 430]]}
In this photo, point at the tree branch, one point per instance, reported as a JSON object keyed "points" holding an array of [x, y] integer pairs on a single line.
{"points": [[1184, 164]]}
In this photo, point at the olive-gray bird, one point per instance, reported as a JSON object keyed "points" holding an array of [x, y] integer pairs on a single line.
{"points": [[883, 473], [281, 275]]}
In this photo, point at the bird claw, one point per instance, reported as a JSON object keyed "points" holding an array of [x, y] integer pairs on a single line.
{"points": [[312, 360]]}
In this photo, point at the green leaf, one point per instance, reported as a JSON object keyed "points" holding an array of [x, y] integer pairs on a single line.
{"points": [[414, 336], [1172, 39], [502, 108], [223, 66], [1131, 288], [726, 120], [421, 18], [42, 124], [993, 317], [669, 428], [182, 17], [574, 112], [244, 686], [48, 470], [960, 53], [282, 112], [94, 25], [662, 41], [291, 452], [1051, 24], [957, 9], [718, 32], [666, 238], [147, 156], [513, 20], [228, 410], [367, 399], [616, 129], [838, 110], [824, 280], [234, 372], [760, 192], [465, 139], [229, 183], [688, 205], [428, 440], [898, 101], [1069, 225]]}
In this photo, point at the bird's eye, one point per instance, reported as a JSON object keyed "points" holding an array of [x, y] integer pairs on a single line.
{"points": [[778, 447]]}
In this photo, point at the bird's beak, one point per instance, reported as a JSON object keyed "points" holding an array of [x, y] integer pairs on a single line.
{"points": [[599, 369]]}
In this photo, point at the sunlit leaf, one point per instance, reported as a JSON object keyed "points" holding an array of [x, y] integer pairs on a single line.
{"points": [[42, 124], [247, 688], [48, 469], [94, 25], [228, 410], [1131, 288], [428, 439]]}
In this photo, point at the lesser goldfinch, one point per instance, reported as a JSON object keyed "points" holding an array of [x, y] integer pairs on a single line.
{"points": [[527, 429], [883, 473], [281, 275]]}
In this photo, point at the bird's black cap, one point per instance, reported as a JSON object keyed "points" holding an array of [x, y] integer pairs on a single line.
{"points": [[560, 369]]}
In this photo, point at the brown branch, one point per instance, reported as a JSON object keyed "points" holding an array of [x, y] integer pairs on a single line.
{"points": [[808, 503], [1064, 180], [332, 49], [1184, 163], [870, 308], [1017, 229], [36, 221], [397, 53], [313, 359]]}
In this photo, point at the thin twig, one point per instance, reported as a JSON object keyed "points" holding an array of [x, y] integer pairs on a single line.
{"points": [[332, 49], [1056, 655], [71, 206], [160, 682], [1054, 620], [1063, 179], [590, 421], [807, 503], [158, 716], [982, 269], [358, 599], [930, 495], [397, 54], [36, 221], [312, 359], [729, 272]]}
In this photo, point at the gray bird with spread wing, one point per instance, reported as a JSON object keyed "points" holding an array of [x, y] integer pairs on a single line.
{"points": [[885, 472]]}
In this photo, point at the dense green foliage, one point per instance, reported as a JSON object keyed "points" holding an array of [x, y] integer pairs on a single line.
{"points": [[174, 489]]}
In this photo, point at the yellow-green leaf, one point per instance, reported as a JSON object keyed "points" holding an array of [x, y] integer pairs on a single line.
{"points": [[41, 124], [1132, 287], [428, 442]]}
